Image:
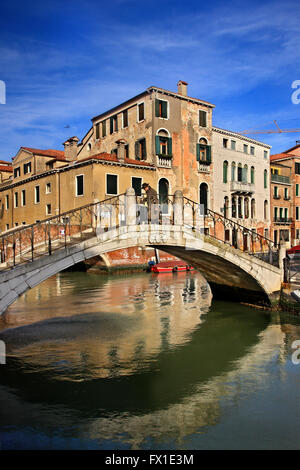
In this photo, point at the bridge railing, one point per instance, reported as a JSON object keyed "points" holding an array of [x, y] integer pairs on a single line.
{"points": [[29, 242]]}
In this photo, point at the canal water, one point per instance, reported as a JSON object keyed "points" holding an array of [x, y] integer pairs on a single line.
{"points": [[146, 361]]}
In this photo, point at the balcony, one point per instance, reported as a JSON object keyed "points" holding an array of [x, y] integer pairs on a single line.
{"points": [[282, 220], [241, 187], [280, 179]]}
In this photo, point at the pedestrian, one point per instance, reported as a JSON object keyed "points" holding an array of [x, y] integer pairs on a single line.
{"points": [[151, 200]]}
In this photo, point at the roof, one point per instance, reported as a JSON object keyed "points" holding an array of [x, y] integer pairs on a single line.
{"points": [[283, 155], [3, 162], [113, 158], [239, 136], [58, 154], [5, 167]]}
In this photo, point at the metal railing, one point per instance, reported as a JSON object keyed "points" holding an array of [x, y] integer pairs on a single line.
{"points": [[280, 179]]}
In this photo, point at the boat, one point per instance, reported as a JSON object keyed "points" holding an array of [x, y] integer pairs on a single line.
{"points": [[171, 267], [294, 252]]}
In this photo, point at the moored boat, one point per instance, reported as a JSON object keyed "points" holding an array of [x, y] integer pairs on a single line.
{"points": [[171, 267]]}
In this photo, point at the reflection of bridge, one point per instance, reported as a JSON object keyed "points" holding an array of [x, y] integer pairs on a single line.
{"points": [[181, 227]]}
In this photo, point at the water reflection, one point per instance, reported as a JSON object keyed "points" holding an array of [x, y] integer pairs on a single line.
{"points": [[135, 362]]}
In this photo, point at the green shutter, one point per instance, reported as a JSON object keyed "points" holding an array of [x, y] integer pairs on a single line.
{"points": [[208, 153], [169, 146], [157, 108], [164, 109], [157, 145], [198, 152], [136, 150], [225, 169]]}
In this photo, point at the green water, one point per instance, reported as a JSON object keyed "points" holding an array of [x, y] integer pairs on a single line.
{"points": [[145, 361]]}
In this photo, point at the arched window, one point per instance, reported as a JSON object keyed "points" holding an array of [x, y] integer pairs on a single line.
{"points": [[252, 208], [252, 175], [246, 208], [240, 172], [226, 206], [265, 179], [233, 171], [203, 151], [163, 143], [163, 192], [245, 174], [225, 171], [203, 193], [266, 215]]}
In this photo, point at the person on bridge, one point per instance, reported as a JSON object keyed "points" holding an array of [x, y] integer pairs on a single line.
{"points": [[151, 200]]}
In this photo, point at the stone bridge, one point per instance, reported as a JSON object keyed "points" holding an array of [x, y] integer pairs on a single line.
{"points": [[32, 254]]}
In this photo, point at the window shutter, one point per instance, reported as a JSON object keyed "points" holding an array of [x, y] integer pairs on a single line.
{"points": [[169, 146], [208, 153], [164, 109], [157, 145], [157, 108], [198, 152], [144, 149], [111, 125]]}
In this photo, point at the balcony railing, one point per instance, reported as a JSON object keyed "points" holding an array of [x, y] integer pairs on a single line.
{"points": [[242, 187], [164, 161], [282, 220], [280, 179]]}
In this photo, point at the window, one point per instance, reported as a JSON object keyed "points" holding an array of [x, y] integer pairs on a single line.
{"points": [[16, 224], [266, 210], [37, 194], [203, 152], [233, 171], [286, 213], [141, 112], [7, 226], [252, 175], [275, 213], [297, 189], [136, 183], [266, 233], [114, 152], [297, 168], [49, 166], [6, 202], [79, 185], [225, 143], [140, 149], [113, 124], [89, 146], [286, 193], [16, 199], [276, 192], [265, 179], [17, 172], [245, 148], [252, 208], [252, 150], [48, 209], [27, 168], [104, 129], [202, 118], [48, 188], [111, 184], [23, 197], [161, 109], [97, 131], [297, 212], [265, 154], [233, 145], [225, 171], [127, 151], [240, 173], [125, 118], [163, 143]]}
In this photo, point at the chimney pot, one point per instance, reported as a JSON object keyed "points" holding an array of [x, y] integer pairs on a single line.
{"points": [[182, 88]]}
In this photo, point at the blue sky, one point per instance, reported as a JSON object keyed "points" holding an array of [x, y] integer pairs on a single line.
{"points": [[64, 62]]}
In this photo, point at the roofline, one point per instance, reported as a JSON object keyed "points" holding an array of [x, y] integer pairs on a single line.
{"points": [[148, 91], [240, 136]]}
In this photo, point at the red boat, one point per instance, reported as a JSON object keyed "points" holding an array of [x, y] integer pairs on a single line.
{"points": [[294, 252], [171, 267]]}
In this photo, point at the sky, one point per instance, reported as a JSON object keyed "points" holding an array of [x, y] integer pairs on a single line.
{"points": [[64, 62]]}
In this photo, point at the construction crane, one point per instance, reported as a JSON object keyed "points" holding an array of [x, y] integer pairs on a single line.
{"points": [[271, 131]]}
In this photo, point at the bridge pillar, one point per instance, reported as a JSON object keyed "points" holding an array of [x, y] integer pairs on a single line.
{"points": [[130, 207], [178, 208]]}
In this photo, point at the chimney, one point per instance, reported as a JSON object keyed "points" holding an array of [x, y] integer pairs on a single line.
{"points": [[71, 148], [121, 149], [182, 88]]}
